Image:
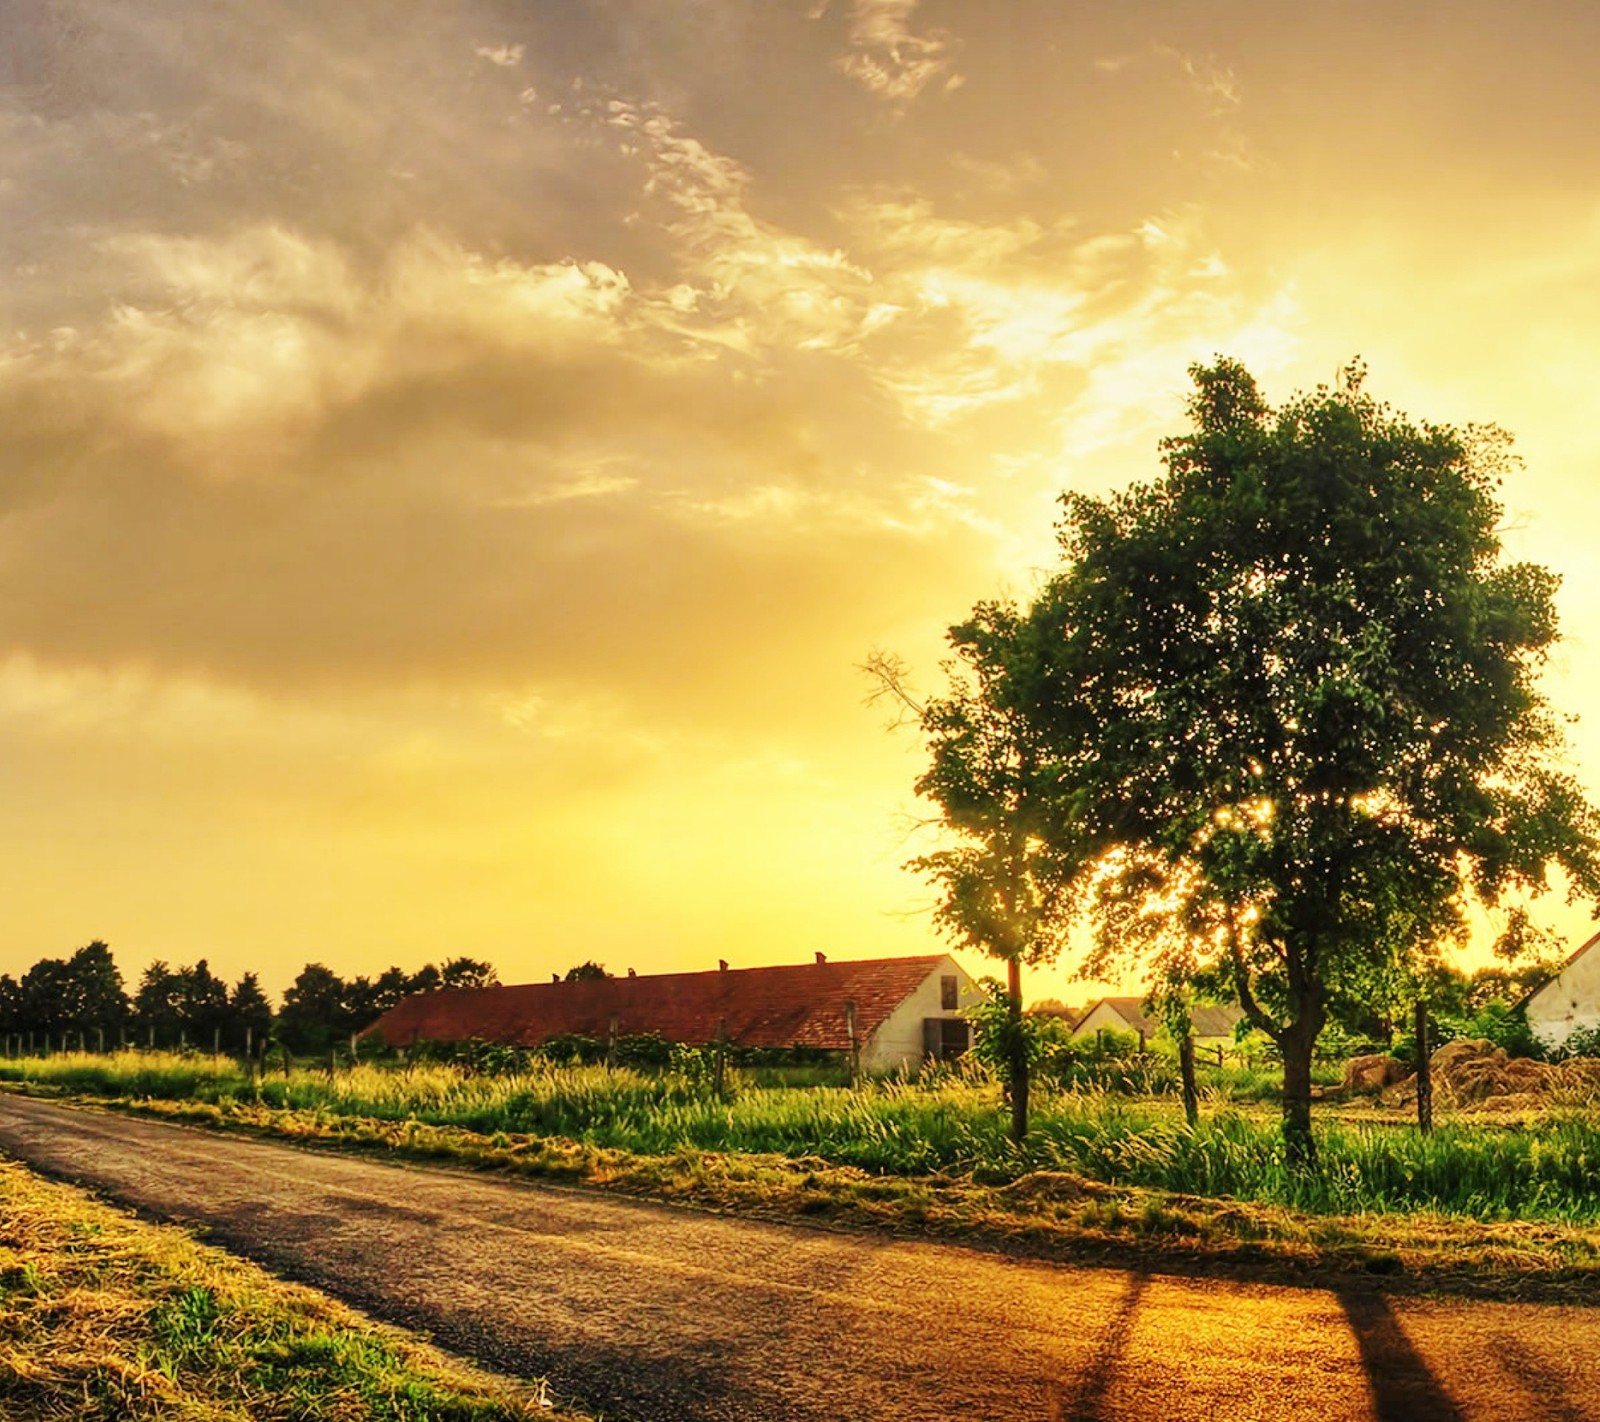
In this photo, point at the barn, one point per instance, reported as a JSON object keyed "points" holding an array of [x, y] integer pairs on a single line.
{"points": [[896, 1011]]}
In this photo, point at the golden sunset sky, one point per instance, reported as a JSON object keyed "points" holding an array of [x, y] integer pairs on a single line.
{"points": [[456, 455]]}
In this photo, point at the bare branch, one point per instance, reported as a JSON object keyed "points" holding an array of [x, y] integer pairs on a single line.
{"points": [[892, 686]]}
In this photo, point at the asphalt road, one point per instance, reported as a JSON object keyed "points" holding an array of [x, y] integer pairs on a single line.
{"points": [[656, 1314]]}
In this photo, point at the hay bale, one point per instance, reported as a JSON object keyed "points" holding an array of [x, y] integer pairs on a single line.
{"points": [[1372, 1073]]}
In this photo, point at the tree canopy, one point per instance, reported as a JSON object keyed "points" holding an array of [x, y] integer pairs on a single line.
{"points": [[1277, 715]]}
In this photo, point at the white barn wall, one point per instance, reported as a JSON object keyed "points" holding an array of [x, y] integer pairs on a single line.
{"points": [[898, 1042], [1104, 1017], [1570, 1000]]}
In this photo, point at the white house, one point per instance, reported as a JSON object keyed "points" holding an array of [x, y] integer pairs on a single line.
{"points": [[1212, 1025], [1569, 1001]]}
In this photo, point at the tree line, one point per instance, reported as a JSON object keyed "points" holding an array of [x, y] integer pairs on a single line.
{"points": [[81, 1001]]}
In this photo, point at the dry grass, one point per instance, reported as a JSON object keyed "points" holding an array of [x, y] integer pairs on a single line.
{"points": [[107, 1319]]}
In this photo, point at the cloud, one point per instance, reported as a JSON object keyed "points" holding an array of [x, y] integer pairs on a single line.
{"points": [[889, 60], [506, 56]]}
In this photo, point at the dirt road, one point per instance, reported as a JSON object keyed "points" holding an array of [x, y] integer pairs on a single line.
{"points": [[647, 1312]]}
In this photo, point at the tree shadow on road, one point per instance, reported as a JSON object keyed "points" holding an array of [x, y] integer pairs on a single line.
{"points": [[1404, 1388], [1089, 1398]]}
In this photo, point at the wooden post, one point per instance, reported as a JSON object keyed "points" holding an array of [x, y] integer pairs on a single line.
{"points": [[150, 1038], [286, 1063], [249, 1042], [855, 1043], [100, 1040], [216, 1041], [333, 1064], [719, 1070], [1191, 1089], [611, 1041], [1424, 1072]]}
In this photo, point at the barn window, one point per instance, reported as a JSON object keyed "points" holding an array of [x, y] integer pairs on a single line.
{"points": [[949, 995]]}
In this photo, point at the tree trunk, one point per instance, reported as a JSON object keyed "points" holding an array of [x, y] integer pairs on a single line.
{"points": [[1191, 1089], [1018, 1090], [1424, 1072], [1299, 1147]]}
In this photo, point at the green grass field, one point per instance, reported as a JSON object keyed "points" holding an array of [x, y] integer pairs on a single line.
{"points": [[1542, 1169]]}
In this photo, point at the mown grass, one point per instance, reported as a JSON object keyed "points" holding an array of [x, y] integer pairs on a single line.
{"points": [[106, 1319], [1540, 1170]]}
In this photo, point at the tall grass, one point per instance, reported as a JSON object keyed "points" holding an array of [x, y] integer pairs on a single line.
{"points": [[1546, 1170]]}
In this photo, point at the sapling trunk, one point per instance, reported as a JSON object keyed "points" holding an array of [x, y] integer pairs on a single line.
{"points": [[1018, 1089]]}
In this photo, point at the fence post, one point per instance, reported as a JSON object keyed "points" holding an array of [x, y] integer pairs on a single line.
{"points": [[611, 1041], [249, 1042], [1424, 1072], [1191, 1091], [855, 1043], [720, 1066]]}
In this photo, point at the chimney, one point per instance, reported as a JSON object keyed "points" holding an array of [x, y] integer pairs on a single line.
{"points": [[822, 957], [555, 977], [631, 973], [722, 965]]}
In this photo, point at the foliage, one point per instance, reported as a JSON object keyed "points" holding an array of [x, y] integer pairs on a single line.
{"points": [[1288, 698], [468, 973], [1581, 1042], [586, 972], [314, 1014], [999, 1035]]}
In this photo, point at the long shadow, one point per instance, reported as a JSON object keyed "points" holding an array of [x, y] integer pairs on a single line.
{"points": [[1404, 1389], [1090, 1397], [1539, 1379]]}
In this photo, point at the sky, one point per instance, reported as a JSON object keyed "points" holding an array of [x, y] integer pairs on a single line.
{"points": [[455, 457]]}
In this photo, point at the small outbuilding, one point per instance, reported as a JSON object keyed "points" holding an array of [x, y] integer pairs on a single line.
{"points": [[897, 1012], [1568, 1002], [1213, 1025]]}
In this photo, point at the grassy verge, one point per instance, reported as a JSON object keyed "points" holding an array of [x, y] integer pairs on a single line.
{"points": [[1042, 1213], [107, 1319], [1541, 1170]]}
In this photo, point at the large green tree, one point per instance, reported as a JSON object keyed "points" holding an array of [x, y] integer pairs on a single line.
{"points": [[1291, 700]]}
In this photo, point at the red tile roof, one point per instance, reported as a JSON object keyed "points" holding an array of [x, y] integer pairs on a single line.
{"points": [[794, 1006]]}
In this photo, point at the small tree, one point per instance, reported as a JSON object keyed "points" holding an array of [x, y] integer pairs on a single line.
{"points": [[314, 1014], [1004, 883], [585, 972], [156, 1005], [249, 1013]]}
